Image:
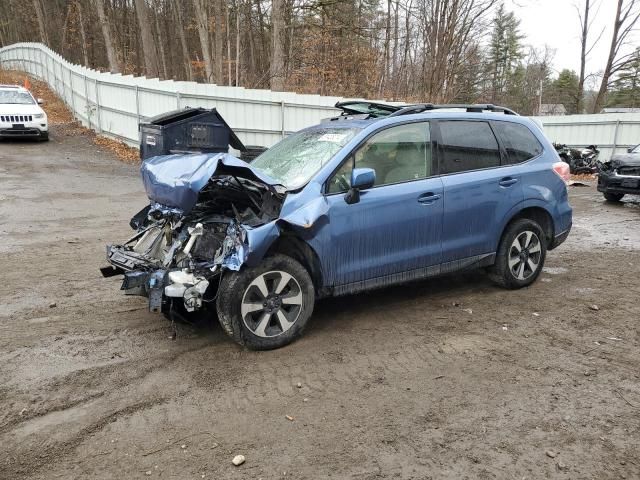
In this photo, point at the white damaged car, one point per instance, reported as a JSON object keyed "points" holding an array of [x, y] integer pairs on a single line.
{"points": [[21, 114]]}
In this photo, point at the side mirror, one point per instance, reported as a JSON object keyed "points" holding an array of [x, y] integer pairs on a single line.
{"points": [[630, 149], [361, 179], [40, 101]]}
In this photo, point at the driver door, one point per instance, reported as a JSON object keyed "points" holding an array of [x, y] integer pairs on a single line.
{"points": [[394, 231]]}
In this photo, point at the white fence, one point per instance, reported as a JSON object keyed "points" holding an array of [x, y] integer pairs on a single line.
{"points": [[611, 132], [114, 105]]}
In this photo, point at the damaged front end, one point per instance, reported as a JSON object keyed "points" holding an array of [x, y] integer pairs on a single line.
{"points": [[208, 214]]}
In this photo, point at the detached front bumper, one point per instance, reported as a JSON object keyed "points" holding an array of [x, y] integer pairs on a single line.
{"points": [[159, 285], [140, 276], [614, 183]]}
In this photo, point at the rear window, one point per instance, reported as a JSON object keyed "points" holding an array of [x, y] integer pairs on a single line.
{"points": [[467, 146], [520, 143]]}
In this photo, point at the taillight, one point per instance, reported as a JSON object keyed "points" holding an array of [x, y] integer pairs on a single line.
{"points": [[562, 170]]}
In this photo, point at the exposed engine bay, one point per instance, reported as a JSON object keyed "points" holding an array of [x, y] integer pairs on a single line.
{"points": [[180, 249]]}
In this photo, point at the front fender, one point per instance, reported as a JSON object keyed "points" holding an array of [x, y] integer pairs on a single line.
{"points": [[302, 220]]}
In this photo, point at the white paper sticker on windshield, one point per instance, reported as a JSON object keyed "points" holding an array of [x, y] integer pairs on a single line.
{"points": [[332, 137]]}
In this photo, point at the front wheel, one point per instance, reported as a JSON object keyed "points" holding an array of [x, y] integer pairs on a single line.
{"points": [[520, 256], [267, 306]]}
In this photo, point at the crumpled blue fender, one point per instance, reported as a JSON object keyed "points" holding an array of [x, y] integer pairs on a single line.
{"points": [[301, 218]]}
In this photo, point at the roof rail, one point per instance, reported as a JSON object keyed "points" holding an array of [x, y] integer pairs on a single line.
{"points": [[476, 107]]}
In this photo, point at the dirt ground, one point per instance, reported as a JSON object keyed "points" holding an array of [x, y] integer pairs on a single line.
{"points": [[449, 378]]}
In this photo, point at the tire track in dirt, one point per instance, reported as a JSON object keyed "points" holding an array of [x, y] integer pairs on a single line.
{"points": [[43, 454]]}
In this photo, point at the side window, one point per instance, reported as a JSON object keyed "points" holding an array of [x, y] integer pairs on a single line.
{"points": [[520, 143], [397, 154], [467, 146]]}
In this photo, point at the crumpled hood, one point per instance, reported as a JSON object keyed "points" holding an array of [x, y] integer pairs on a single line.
{"points": [[625, 160], [175, 180]]}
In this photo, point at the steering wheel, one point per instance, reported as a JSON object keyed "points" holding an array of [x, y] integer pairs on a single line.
{"points": [[342, 182]]}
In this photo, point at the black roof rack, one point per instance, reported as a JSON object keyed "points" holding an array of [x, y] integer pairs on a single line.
{"points": [[476, 107], [370, 109], [363, 110]]}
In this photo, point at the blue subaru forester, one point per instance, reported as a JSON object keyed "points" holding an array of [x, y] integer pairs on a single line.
{"points": [[377, 196]]}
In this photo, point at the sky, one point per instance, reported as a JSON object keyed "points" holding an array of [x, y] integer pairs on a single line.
{"points": [[556, 23]]}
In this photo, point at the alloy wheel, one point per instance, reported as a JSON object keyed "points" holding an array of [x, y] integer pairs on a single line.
{"points": [[524, 255], [271, 304]]}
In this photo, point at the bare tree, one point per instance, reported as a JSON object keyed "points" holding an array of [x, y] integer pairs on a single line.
{"points": [[177, 11], [219, 7], [160, 51], [106, 34], [277, 74], [148, 45], [202, 20], [37, 6], [83, 35], [585, 49], [627, 15]]}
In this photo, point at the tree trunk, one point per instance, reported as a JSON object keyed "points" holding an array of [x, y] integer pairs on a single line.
{"points": [[202, 19], [218, 41], [63, 42], [83, 35], [228, 40], [237, 6], [37, 6], [151, 66], [161, 52], [583, 57], [177, 10], [613, 50], [276, 71], [106, 34]]}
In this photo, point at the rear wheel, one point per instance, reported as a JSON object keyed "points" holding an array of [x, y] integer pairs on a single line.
{"points": [[521, 255], [267, 306], [613, 197]]}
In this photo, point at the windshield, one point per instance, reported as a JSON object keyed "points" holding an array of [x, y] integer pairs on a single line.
{"points": [[15, 97], [636, 149], [295, 159]]}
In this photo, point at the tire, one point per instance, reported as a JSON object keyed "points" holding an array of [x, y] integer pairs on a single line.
{"points": [[506, 269], [613, 197], [44, 136], [265, 322]]}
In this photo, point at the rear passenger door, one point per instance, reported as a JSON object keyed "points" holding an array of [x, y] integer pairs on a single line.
{"points": [[480, 187]]}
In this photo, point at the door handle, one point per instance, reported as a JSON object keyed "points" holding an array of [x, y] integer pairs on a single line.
{"points": [[428, 198], [508, 181]]}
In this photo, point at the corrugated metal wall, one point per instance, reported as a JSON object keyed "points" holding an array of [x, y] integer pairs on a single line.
{"points": [[114, 104], [609, 131]]}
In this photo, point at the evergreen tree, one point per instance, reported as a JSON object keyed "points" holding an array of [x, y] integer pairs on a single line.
{"points": [[505, 51], [563, 90], [625, 90]]}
